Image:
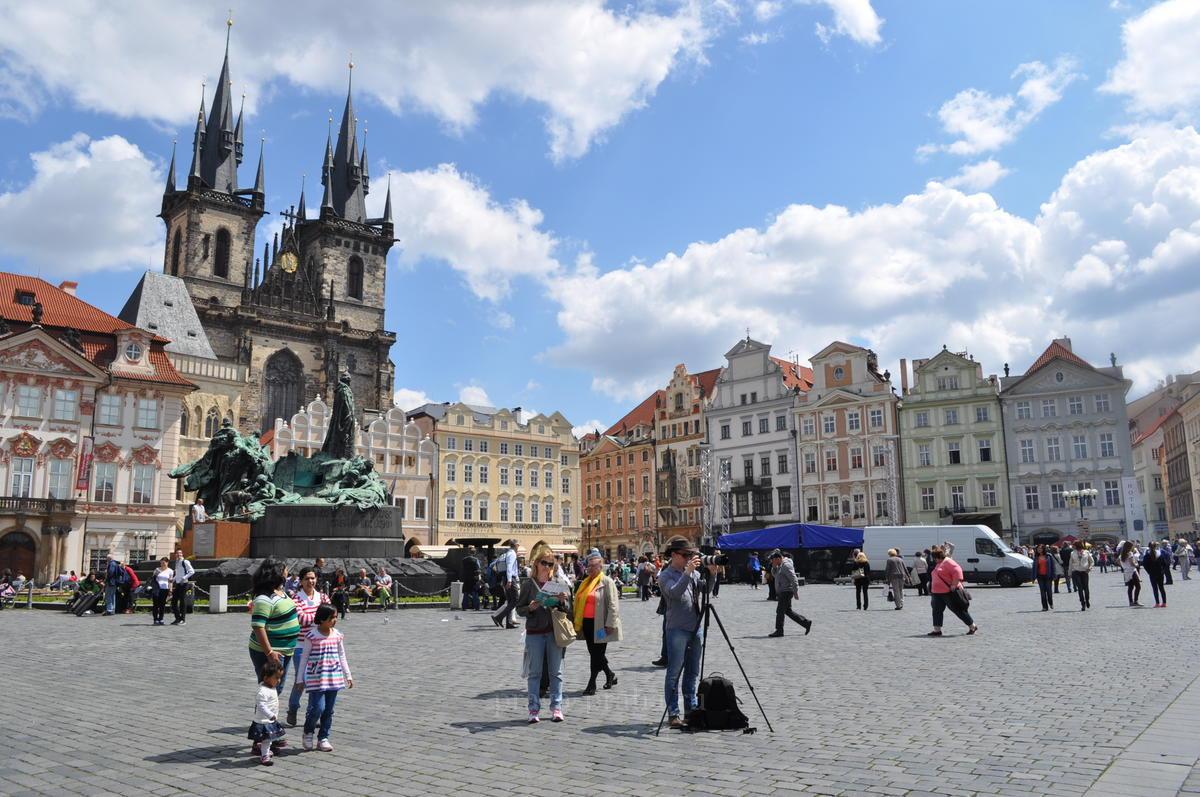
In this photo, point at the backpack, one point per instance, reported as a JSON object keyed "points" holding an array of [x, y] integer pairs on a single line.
{"points": [[718, 709], [121, 577]]}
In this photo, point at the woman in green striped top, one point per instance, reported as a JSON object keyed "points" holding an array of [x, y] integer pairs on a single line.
{"points": [[274, 623]]}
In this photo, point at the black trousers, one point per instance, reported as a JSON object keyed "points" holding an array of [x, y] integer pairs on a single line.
{"points": [[1044, 583], [159, 609], [510, 603], [179, 601], [940, 601], [1133, 589], [783, 608], [862, 589], [1082, 589], [923, 584], [597, 651], [1156, 584]]}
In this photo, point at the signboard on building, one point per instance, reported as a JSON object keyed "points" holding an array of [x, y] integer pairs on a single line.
{"points": [[1135, 513]]}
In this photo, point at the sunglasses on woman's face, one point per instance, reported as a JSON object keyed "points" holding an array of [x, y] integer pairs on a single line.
{"points": [[546, 563]]}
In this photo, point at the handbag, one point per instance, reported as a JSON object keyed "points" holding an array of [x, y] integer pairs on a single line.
{"points": [[964, 597], [564, 628]]}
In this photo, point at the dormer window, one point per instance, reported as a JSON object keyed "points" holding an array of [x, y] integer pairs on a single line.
{"points": [[133, 352], [25, 297]]}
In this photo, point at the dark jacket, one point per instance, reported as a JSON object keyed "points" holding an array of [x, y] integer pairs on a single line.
{"points": [[470, 570], [537, 621], [1064, 556]]}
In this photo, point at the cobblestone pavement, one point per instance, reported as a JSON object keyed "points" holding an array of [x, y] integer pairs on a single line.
{"points": [[1037, 703]]}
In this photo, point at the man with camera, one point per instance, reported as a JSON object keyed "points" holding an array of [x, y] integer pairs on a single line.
{"points": [[786, 586], [681, 585]]}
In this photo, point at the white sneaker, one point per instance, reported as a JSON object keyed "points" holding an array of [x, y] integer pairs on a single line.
{"points": [[308, 741], [324, 746]]}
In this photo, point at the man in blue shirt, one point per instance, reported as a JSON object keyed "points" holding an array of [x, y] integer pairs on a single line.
{"points": [[114, 574], [681, 586], [755, 568], [512, 579]]}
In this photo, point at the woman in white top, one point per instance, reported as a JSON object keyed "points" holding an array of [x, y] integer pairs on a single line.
{"points": [[1129, 570], [160, 588], [1081, 567]]}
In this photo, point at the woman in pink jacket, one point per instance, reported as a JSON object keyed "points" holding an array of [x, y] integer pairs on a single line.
{"points": [[945, 584]]}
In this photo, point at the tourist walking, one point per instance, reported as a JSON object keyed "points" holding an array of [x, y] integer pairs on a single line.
{"points": [[1184, 552], [511, 579], [947, 592], [1168, 556], [1064, 560], [181, 587], [861, 576], [541, 650], [326, 672], [1045, 568], [598, 620], [1155, 567], [754, 570], [895, 572], [265, 727], [1128, 560], [274, 622], [921, 571], [307, 599], [1080, 570], [786, 587], [160, 588]]}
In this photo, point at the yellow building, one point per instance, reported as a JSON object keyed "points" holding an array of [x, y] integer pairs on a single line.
{"points": [[503, 475]]}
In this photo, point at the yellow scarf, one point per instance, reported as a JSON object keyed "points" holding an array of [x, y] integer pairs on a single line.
{"points": [[581, 595]]}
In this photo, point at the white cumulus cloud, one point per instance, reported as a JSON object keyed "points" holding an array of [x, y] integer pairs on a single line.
{"points": [[585, 64], [589, 427], [982, 122], [1157, 71], [978, 176], [408, 399], [474, 394], [91, 204], [853, 18]]}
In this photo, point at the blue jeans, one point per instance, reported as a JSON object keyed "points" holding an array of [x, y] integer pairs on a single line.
{"points": [[320, 706], [110, 598], [259, 659], [684, 647], [539, 648], [294, 697]]}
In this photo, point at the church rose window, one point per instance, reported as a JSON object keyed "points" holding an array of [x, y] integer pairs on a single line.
{"points": [[282, 381], [221, 266]]}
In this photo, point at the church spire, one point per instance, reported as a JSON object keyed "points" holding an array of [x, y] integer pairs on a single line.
{"points": [[327, 200], [170, 187], [237, 132], [387, 203], [301, 213], [218, 167], [259, 182], [349, 192], [197, 141]]}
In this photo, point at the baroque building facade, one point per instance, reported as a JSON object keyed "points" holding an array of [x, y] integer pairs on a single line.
{"points": [[618, 473], [751, 439], [89, 421], [847, 441], [312, 306], [953, 443], [679, 438], [1068, 430], [502, 475]]}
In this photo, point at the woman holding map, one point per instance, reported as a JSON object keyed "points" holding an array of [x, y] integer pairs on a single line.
{"points": [[540, 593]]}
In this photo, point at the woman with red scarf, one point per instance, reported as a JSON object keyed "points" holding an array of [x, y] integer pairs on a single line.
{"points": [[598, 619]]}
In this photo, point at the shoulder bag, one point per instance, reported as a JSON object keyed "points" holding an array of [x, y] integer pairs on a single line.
{"points": [[564, 628]]}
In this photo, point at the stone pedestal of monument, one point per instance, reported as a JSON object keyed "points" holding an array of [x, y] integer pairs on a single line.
{"points": [[217, 539], [306, 531]]}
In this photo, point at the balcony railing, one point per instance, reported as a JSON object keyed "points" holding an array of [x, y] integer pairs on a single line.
{"points": [[36, 506]]}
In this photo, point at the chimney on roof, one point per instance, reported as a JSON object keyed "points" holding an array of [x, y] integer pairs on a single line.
{"points": [[68, 286], [903, 376], [1064, 342]]}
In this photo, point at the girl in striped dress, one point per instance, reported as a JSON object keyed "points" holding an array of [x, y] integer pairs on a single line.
{"points": [[325, 671]]}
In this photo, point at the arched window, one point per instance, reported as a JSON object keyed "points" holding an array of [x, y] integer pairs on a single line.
{"points": [[283, 380], [354, 285], [221, 266], [176, 253], [212, 422], [183, 423]]}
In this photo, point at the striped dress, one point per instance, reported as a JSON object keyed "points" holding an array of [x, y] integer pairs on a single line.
{"points": [[323, 661], [277, 614]]}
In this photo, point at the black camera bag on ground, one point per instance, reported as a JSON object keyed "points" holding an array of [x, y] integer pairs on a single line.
{"points": [[718, 709]]}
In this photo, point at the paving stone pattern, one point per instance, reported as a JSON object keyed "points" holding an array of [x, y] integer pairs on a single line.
{"points": [[1036, 704]]}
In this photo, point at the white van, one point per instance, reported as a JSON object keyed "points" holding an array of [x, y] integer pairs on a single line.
{"points": [[984, 557]]}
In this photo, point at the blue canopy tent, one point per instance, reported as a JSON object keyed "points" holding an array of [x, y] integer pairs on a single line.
{"points": [[792, 536], [819, 553]]}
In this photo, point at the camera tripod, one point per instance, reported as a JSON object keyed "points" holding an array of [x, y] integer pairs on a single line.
{"points": [[707, 612]]}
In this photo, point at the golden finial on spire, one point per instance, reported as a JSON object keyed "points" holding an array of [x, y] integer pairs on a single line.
{"points": [[229, 19], [351, 64]]}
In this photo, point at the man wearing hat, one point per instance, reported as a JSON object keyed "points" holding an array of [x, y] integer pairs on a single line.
{"points": [[681, 584], [786, 585]]}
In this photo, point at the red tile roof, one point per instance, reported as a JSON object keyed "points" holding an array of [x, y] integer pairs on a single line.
{"points": [[795, 375], [1056, 349], [641, 414], [1159, 421], [61, 311], [707, 381]]}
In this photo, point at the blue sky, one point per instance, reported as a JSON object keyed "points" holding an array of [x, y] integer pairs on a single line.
{"points": [[588, 194]]}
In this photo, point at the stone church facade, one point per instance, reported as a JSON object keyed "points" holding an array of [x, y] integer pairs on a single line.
{"points": [[311, 306]]}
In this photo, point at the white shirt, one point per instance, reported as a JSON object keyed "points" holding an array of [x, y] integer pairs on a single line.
{"points": [[510, 560], [183, 571], [163, 578], [1130, 566], [266, 704], [199, 515], [383, 580]]}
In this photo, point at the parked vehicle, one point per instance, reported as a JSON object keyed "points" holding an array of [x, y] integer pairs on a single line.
{"points": [[984, 557]]}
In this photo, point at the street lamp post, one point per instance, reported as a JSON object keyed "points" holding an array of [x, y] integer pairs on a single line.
{"points": [[1080, 498]]}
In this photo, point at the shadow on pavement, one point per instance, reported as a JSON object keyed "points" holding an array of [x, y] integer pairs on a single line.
{"points": [[482, 727], [498, 694], [631, 731], [222, 756]]}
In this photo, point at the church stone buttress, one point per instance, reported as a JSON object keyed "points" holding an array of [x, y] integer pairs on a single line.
{"points": [[312, 305]]}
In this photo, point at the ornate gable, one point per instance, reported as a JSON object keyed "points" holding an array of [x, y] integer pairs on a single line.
{"points": [[37, 355], [107, 452], [146, 455], [24, 445], [62, 448]]}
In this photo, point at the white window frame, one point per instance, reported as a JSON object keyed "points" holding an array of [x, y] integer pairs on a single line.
{"points": [[29, 401], [61, 479], [66, 405], [108, 408], [141, 490], [147, 413], [20, 482]]}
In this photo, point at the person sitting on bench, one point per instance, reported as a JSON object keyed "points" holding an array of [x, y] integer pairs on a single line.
{"points": [[383, 588]]}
